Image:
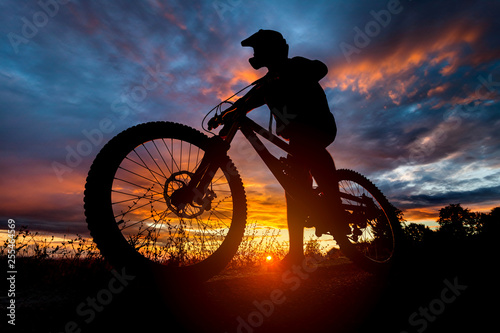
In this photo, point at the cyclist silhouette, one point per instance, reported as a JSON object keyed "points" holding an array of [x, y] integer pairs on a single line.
{"points": [[166, 198], [298, 103]]}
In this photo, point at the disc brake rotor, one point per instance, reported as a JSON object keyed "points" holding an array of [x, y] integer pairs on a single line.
{"points": [[177, 200]]}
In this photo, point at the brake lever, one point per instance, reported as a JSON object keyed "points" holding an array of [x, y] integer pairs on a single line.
{"points": [[214, 122]]}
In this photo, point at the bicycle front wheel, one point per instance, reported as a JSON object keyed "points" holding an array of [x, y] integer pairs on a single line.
{"points": [[375, 230], [130, 213]]}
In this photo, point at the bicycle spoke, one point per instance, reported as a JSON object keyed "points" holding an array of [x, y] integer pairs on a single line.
{"points": [[134, 209], [137, 185], [137, 174], [150, 170], [143, 166], [146, 176], [371, 228]]}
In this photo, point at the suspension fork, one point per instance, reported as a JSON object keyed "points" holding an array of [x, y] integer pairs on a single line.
{"points": [[215, 152]]}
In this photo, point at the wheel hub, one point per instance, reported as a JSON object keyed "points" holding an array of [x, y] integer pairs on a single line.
{"points": [[184, 201]]}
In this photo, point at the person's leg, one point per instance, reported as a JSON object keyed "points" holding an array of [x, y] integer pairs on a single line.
{"points": [[296, 216], [295, 219], [323, 171], [309, 148], [318, 160]]}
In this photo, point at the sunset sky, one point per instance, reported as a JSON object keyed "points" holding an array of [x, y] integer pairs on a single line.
{"points": [[414, 86]]}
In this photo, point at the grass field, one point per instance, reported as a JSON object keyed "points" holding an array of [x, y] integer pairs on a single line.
{"points": [[63, 284]]}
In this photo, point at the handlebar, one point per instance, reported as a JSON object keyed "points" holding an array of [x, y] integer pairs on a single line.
{"points": [[220, 119], [214, 122], [228, 114]]}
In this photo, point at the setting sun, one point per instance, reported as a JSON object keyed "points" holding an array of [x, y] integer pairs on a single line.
{"points": [[269, 258]]}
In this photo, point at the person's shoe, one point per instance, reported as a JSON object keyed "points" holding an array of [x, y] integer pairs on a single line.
{"points": [[321, 229], [289, 261]]}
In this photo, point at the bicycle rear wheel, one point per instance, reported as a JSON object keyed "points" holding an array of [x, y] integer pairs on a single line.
{"points": [[132, 218], [374, 238]]}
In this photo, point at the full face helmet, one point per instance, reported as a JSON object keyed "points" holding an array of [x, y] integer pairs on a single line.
{"points": [[269, 48]]}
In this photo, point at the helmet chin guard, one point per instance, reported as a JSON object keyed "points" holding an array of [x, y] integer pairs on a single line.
{"points": [[271, 45], [256, 63]]}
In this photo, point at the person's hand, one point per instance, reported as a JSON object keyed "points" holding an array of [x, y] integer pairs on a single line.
{"points": [[214, 122]]}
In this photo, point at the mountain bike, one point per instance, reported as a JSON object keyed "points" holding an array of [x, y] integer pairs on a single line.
{"points": [[165, 196]]}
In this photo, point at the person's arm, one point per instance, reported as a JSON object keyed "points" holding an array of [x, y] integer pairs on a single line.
{"points": [[252, 100]]}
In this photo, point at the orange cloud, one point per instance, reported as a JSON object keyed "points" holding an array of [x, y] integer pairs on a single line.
{"points": [[226, 79], [429, 215], [266, 208], [438, 90], [426, 215], [393, 69], [246, 75], [32, 191]]}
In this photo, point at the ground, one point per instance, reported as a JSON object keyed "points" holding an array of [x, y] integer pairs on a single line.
{"points": [[433, 292]]}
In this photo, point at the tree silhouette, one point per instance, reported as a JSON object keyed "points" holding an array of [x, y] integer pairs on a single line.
{"points": [[490, 223], [458, 225], [418, 233], [456, 222], [495, 213]]}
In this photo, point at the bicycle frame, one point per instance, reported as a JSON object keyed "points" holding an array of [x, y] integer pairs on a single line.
{"points": [[220, 145], [190, 203], [250, 129]]}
